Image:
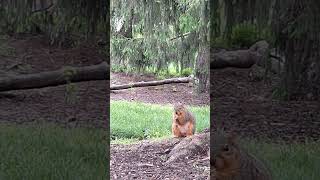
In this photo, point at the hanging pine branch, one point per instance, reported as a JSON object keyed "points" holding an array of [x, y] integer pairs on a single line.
{"points": [[158, 31], [291, 26]]}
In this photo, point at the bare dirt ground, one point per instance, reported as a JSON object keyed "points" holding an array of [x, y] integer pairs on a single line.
{"points": [[247, 107], [147, 160], [32, 54], [164, 94]]}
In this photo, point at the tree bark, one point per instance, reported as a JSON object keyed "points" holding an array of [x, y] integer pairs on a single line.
{"points": [[151, 83], [55, 78], [256, 54], [187, 147], [237, 59], [202, 69]]}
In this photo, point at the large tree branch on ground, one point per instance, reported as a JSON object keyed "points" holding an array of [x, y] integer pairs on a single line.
{"points": [[256, 54], [152, 83], [55, 78]]}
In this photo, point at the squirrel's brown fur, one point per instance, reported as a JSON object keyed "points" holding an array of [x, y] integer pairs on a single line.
{"points": [[183, 122], [232, 163]]}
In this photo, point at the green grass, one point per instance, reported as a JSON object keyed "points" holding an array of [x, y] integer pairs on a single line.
{"points": [[131, 121], [49, 152], [289, 161]]}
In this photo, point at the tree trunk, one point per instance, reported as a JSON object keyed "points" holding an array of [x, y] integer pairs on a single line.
{"points": [[202, 69], [55, 78]]}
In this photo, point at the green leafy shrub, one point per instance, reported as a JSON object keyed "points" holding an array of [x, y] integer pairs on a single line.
{"points": [[164, 74], [118, 68], [186, 72], [280, 93], [267, 35], [219, 42], [243, 35]]}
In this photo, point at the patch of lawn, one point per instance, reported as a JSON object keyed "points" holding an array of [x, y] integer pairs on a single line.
{"points": [[50, 152], [135, 120], [289, 161]]}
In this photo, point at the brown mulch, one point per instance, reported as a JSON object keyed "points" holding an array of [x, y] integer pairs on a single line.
{"points": [[247, 107], [164, 94], [89, 104], [146, 160]]}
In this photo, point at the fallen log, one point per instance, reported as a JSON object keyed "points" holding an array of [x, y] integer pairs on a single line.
{"points": [[152, 83], [256, 54], [55, 78]]}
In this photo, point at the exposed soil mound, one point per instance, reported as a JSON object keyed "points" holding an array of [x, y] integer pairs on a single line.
{"points": [[152, 160]]}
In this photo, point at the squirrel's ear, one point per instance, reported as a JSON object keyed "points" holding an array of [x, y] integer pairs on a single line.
{"points": [[177, 104]]}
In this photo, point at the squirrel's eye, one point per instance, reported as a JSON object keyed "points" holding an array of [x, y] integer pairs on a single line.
{"points": [[226, 147]]}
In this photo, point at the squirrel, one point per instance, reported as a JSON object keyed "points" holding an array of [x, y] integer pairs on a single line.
{"points": [[231, 162], [183, 122]]}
